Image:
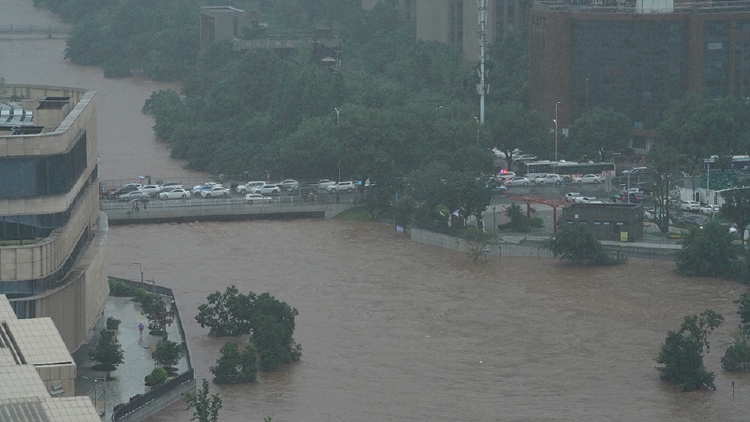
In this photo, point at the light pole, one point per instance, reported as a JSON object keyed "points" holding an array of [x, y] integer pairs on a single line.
{"points": [[141, 268], [556, 105], [479, 125]]}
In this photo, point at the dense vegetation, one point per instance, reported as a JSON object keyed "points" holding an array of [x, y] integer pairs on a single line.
{"points": [[579, 246]]}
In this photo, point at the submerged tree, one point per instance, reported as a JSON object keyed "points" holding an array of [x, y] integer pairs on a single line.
{"points": [[681, 354], [578, 245], [206, 408]]}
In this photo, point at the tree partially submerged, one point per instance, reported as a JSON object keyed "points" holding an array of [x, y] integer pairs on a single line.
{"points": [[578, 245], [708, 251], [205, 407], [681, 354], [236, 366], [268, 321], [737, 356], [736, 209]]}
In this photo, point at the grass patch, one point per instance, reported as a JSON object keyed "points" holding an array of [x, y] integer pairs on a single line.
{"points": [[355, 214]]}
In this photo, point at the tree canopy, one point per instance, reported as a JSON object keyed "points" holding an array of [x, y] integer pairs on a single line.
{"points": [[578, 245]]}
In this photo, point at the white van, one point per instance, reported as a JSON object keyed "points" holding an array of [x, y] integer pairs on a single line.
{"points": [[245, 188]]}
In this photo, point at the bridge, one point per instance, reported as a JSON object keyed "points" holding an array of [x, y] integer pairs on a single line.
{"points": [[226, 209], [47, 30]]}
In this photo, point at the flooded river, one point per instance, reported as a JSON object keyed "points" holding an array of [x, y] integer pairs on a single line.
{"points": [[393, 330]]}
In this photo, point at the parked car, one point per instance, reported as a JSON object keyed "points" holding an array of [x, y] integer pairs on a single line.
{"points": [[287, 184], [517, 181], [709, 209], [197, 189], [130, 187], [215, 191], [135, 194], [171, 185], [587, 178], [504, 177], [176, 193], [247, 186], [256, 198], [323, 184], [571, 196], [347, 186], [304, 188], [266, 190], [587, 200], [635, 170], [550, 179], [152, 190], [690, 205]]}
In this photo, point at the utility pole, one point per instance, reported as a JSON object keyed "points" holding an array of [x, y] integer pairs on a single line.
{"points": [[482, 88]]}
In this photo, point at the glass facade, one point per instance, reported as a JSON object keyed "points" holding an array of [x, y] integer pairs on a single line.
{"points": [[29, 177], [635, 67]]}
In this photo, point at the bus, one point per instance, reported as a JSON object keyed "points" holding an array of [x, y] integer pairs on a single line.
{"points": [[734, 164], [568, 169]]}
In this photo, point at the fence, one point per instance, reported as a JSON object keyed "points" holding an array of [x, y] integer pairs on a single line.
{"points": [[141, 407]]}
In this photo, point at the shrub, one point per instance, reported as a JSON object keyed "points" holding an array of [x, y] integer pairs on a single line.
{"points": [[235, 366], [118, 288], [113, 323], [579, 246], [737, 356], [156, 377]]}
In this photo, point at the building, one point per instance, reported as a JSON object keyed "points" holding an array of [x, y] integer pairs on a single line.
{"points": [[635, 57], [37, 373], [52, 249], [455, 22], [615, 222]]}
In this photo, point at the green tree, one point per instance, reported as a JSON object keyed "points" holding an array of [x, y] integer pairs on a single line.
{"points": [[226, 314], [273, 330], [513, 126], [578, 245], [156, 377], [708, 251], [598, 131], [108, 353], [168, 353], [665, 180], [205, 408], [518, 220], [737, 355], [235, 366], [681, 355], [736, 209]]}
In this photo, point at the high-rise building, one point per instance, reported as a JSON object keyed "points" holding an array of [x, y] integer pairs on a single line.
{"points": [[52, 235], [635, 57]]}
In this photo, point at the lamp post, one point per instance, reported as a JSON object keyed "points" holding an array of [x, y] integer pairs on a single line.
{"points": [[556, 105], [494, 220], [479, 125], [141, 268]]}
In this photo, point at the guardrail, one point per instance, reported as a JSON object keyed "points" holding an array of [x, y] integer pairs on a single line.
{"points": [[48, 30]]}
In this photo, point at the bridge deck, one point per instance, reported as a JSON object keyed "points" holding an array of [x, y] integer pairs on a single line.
{"points": [[198, 209]]}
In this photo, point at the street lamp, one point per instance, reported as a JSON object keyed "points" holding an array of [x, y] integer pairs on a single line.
{"points": [[139, 266], [479, 125], [556, 105]]}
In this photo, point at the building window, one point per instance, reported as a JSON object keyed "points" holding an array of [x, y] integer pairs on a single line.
{"points": [[28, 177]]}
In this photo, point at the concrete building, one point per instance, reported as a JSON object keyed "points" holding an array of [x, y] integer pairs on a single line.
{"points": [[37, 374], [635, 57], [52, 249], [615, 222], [455, 22]]}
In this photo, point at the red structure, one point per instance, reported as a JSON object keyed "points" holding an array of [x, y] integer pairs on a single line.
{"points": [[554, 203]]}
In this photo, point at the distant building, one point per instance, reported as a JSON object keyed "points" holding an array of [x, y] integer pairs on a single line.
{"points": [[37, 374], [635, 57], [455, 22], [52, 254], [228, 23], [615, 222]]}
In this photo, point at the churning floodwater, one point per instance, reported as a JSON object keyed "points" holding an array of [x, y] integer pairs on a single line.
{"points": [[393, 330]]}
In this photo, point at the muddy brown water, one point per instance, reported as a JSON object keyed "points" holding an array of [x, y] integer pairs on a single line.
{"points": [[393, 330]]}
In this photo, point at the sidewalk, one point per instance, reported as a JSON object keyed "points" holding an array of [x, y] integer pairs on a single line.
{"points": [[127, 381]]}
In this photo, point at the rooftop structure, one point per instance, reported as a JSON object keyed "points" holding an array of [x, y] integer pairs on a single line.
{"points": [[37, 374]]}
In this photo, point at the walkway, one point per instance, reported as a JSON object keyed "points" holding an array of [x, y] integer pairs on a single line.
{"points": [[128, 378]]}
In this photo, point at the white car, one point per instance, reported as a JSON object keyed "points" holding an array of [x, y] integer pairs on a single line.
{"points": [[571, 196], [256, 198], [550, 179], [587, 178], [266, 190], [288, 184], [587, 200], [136, 194], [151, 190], [347, 186], [216, 191], [517, 181], [324, 184], [690, 205], [177, 193], [709, 209], [246, 187]]}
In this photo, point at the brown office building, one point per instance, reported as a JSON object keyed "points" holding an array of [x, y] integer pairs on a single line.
{"points": [[635, 57]]}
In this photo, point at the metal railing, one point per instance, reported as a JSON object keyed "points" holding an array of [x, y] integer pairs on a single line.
{"points": [[48, 30]]}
